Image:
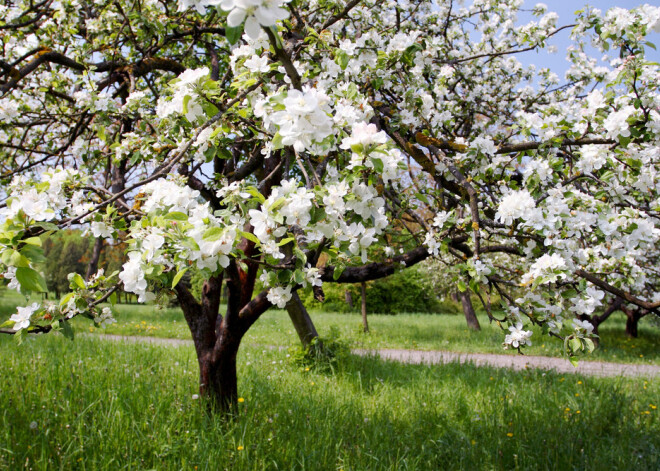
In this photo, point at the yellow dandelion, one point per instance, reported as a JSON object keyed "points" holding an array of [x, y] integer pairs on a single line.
{"points": [[577, 411], [240, 399], [568, 409], [509, 434], [577, 394], [579, 382], [646, 412], [652, 406], [473, 442], [240, 448]]}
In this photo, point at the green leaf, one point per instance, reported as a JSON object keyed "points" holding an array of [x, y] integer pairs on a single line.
{"points": [[78, 281], [178, 277], [233, 33], [31, 280], [574, 361], [422, 197], [65, 299], [342, 59], [249, 236], [33, 253], [49, 226], [339, 269], [113, 298], [224, 154], [212, 234], [378, 164], [589, 344], [67, 331], [33, 241], [176, 216], [462, 287], [254, 192], [285, 241], [277, 141], [186, 100], [575, 344], [18, 260]]}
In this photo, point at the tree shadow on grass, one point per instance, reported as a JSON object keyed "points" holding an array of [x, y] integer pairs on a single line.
{"points": [[459, 416]]}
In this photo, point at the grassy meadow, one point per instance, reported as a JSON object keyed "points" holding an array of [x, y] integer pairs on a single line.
{"points": [[411, 331], [96, 405]]}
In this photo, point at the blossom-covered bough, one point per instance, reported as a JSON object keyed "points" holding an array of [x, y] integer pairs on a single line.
{"points": [[332, 142]]}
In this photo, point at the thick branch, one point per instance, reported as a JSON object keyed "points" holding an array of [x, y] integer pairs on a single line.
{"points": [[616, 291], [374, 271]]}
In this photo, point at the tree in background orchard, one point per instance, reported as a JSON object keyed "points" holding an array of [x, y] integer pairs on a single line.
{"points": [[286, 142]]}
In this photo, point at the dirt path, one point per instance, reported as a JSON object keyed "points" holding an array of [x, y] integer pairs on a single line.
{"points": [[515, 362]]}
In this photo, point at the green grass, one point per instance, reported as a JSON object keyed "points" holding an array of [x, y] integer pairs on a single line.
{"points": [[413, 331], [92, 404]]}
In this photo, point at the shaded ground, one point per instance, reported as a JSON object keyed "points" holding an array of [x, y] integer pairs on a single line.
{"points": [[520, 362]]}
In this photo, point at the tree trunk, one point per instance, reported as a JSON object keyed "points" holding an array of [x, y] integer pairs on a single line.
{"points": [[301, 320], [631, 327], [217, 338], [363, 292], [93, 265], [468, 310], [348, 298], [632, 320]]}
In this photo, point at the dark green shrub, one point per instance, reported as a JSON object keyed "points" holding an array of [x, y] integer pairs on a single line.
{"points": [[406, 291]]}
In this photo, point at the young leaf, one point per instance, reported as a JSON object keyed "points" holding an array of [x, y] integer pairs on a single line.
{"points": [[31, 280], [67, 331], [233, 33], [78, 281], [178, 277]]}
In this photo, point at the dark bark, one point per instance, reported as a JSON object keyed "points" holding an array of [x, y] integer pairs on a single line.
{"points": [[348, 297], [632, 320], [93, 265], [301, 320], [217, 338], [468, 310], [374, 271], [363, 293], [632, 326]]}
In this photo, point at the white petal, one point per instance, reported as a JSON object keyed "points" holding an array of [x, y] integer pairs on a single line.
{"points": [[252, 27], [236, 17]]}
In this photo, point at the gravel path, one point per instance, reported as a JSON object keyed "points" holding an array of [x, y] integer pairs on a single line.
{"points": [[515, 362]]}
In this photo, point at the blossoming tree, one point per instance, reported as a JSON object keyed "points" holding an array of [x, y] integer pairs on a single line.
{"points": [[308, 142]]}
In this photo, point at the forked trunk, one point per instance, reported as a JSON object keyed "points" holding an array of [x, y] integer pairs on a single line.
{"points": [[217, 338], [468, 310]]}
